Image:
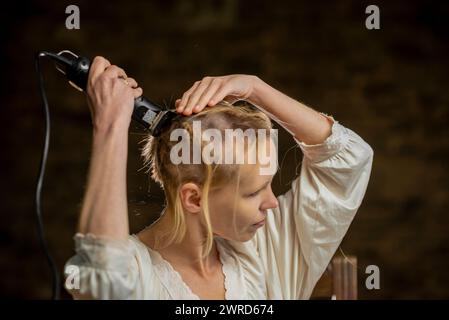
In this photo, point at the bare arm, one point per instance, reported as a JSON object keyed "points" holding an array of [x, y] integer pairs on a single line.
{"points": [[306, 124], [104, 210]]}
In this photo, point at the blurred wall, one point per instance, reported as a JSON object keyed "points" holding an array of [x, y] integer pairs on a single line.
{"points": [[388, 85]]}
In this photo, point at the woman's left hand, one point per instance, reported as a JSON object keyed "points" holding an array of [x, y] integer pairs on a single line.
{"points": [[211, 90]]}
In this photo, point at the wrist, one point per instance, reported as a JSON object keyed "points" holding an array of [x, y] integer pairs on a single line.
{"points": [[259, 89], [117, 129]]}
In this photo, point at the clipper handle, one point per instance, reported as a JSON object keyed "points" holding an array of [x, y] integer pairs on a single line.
{"points": [[150, 115]]}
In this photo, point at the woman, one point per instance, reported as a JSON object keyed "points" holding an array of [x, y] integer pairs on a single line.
{"points": [[223, 234]]}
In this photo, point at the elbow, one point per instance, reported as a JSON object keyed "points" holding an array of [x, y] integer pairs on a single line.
{"points": [[369, 154]]}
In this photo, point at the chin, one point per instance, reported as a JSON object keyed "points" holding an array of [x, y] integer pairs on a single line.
{"points": [[242, 237], [246, 236]]}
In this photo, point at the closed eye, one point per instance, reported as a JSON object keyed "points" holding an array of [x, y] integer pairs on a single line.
{"points": [[253, 194], [257, 192]]}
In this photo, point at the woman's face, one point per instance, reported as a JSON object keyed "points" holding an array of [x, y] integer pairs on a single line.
{"points": [[235, 212]]}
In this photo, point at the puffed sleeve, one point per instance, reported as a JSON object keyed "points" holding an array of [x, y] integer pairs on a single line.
{"points": [[302, 234], [101, 269]]}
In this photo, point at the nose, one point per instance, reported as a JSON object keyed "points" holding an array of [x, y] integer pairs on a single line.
{"points": [[271, 202]]}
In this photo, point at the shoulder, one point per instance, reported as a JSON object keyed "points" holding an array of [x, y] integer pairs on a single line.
{"points": [[141, 250]]}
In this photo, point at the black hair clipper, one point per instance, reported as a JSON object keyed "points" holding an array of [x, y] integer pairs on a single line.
{"points": [[76, 69]]}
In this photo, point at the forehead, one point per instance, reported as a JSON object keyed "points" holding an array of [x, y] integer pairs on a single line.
{"points": [[265, 166], [250, 175]]}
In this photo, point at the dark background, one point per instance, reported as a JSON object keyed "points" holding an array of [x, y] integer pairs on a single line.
{"points": [[388, 85]]}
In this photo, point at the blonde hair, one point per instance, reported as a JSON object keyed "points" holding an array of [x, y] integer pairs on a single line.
{"points": [[156, 154]]}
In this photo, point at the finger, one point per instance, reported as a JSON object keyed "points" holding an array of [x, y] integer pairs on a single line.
{"points": [[185, 96], [132, 83], [205, 98], [99, 64], [137, 92], [114, 71], [194, 97], [220, 94], [177, 102]]}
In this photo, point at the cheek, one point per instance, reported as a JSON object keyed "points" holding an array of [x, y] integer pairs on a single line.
{"points": [[246, 211], [236, 226], [220, 212], [232, 215], [224, 214], [249, 206]]}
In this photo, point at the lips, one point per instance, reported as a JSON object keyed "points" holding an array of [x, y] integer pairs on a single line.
{"points": [[264, 214], [260, 223]]}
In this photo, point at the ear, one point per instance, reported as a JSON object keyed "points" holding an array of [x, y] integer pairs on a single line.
{"points": [[190, 195]]}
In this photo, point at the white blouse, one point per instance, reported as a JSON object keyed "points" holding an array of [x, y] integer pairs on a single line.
{"points": [[285, 258]]}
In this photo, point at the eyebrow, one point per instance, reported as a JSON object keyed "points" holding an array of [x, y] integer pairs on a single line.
{"points": [[264, 185]]}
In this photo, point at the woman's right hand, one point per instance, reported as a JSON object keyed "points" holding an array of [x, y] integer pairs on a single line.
{"points": [[110, 95]]}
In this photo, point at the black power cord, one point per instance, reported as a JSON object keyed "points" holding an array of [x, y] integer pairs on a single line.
{"points": [[38, 199]]}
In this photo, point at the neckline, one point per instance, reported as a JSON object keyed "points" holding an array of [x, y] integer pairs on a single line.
{"points": [[178, 277]]}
